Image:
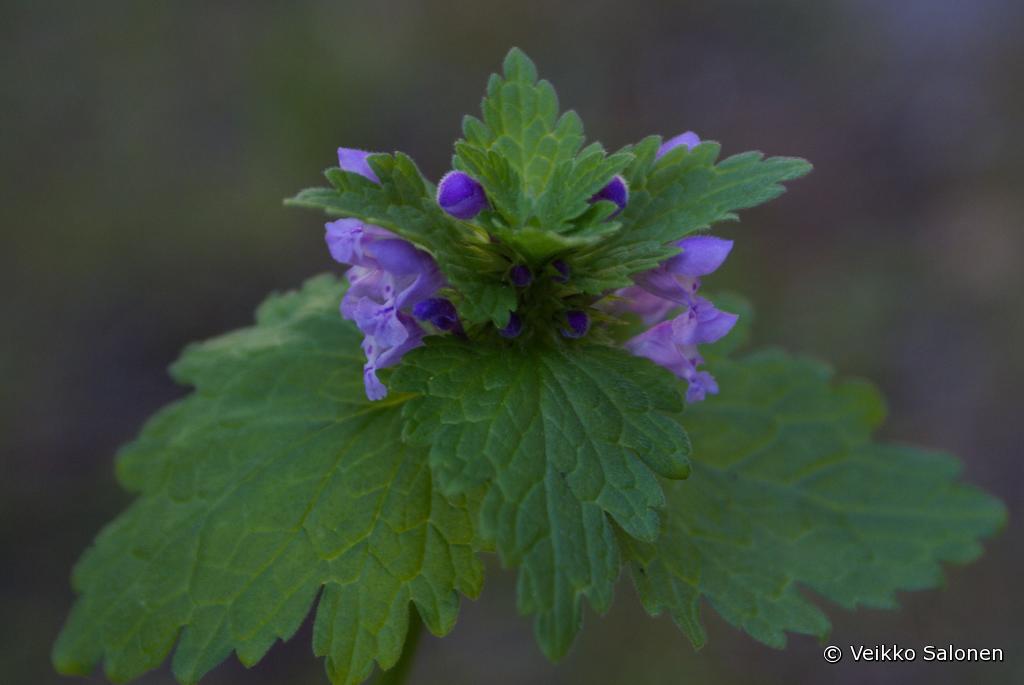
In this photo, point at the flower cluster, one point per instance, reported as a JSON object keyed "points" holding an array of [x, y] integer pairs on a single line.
{"points": [[391, 283], [394, 285], [672, 343]]}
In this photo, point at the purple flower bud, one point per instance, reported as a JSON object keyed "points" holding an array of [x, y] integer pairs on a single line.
{"points": [[460, 195], [351, 159], [520, 275], [438, 311], [579, 324], [513, 328], [563, 271], [616, 191], [689, 139]]}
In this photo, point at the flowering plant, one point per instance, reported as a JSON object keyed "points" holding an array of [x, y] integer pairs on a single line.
{"points": [[509, 372]]}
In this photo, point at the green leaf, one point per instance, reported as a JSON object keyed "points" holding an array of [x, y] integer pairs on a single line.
{"points": [[527, 157], [564, 441], [274, 481], [788, 491], [403, 202], [683, 192]]}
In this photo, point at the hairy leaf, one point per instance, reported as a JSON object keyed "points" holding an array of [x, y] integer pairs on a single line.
{"points": [[788, 492], [671, 197], [274, 481], [527, 157], [564, 441]]}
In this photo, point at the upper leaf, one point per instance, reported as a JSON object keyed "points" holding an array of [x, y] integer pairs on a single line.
{"points": [[527, 157], [788, 490], [564, 441], [671, 197], [275, 479]]}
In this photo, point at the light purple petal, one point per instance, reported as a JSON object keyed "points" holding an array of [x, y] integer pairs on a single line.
{"points": [[351, 159], [702, 255], [380, 322], [399, 257], [375, 390], [392, 355], [658, 344], [689, 139], [365, 283], [712, 323], [379, 355], [663, 282], [701, 385], [645, 304], [348, 239]]}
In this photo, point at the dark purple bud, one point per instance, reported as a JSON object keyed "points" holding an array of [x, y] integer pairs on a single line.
{"points": [[520, 275], [563, 271], [438, 311], [460, 195], [514, 327], [579, 324], [616, 191]]}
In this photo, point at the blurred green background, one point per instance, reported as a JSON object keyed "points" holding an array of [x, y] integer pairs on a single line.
{"points": [[146, 148]]}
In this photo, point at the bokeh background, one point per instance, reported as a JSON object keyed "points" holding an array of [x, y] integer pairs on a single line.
{"points": [[146, 148]]}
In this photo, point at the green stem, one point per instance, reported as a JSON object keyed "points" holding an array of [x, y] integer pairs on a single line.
{"points": [[396, 674]]}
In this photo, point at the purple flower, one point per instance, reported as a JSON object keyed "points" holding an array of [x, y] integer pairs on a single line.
{"points": [[689, 139], [460, 195], [380, 356], [673, 345], [388, 277], [579, 324], [678, 278], [513, 328], [438, 311], [674, 284], [616, 191], [563, 271], [635, 300], [351, 159], [520, 275]]}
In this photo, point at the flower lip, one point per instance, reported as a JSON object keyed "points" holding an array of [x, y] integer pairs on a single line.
{"points": [[460, 195], [563, 271], [579, 324], [616, 191], [688, 139], [354, 160]]}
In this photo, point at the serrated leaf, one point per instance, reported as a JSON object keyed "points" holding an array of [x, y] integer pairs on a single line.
{"points": [[683, 192], [527, 157], [789, 492], [275, 479], [403, 203], [564, 440]]}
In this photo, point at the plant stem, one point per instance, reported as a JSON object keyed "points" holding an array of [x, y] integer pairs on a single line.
{"points": [[396, 674]]}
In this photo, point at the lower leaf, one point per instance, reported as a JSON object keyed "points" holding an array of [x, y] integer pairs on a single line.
{"points": [[788, 492], [275, 479]]}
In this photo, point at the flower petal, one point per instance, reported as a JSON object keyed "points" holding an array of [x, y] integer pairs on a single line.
{"points": [[351, 159]]}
